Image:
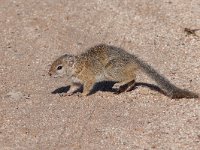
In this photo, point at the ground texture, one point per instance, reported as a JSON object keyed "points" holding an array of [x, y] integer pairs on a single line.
{"points": [[33, 33]]}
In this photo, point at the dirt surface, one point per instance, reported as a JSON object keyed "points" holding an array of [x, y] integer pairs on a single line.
{"points": [[33, 33]]}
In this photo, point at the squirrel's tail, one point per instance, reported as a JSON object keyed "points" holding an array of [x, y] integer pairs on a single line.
{"points": [[168, 88]]}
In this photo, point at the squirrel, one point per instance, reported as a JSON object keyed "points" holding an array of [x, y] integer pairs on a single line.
{"points": [[109, 63]]}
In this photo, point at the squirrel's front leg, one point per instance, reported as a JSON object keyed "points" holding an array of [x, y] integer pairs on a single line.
{"points": [[73, 88], [87, 87]]}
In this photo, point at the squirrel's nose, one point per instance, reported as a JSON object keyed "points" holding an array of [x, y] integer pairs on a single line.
{"points": [[50, 73]]}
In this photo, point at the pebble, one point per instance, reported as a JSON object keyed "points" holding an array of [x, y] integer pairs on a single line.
{"points": [[14, 95]]}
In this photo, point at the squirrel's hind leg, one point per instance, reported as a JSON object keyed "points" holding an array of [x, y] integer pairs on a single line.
{"points": [[124, 86]]}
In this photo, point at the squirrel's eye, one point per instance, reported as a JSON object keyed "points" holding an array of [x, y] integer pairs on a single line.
{"points": [[59, 68]]}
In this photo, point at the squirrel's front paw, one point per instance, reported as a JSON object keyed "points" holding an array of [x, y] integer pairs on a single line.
{"points": [[65, 94], [85, 94]]}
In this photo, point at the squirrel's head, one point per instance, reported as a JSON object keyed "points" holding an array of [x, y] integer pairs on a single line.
{"points": [[62, 66]]}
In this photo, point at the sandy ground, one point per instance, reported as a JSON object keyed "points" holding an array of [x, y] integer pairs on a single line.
{"points": [[33, 33]]}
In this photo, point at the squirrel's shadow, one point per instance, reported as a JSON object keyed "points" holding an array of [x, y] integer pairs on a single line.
{"points": [[107, 86], [100, 86]]}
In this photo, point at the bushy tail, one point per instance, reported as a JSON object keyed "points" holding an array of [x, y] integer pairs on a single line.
{"points": [[168, 88]]}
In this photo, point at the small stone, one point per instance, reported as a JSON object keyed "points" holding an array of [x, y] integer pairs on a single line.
{"points": [[14, 95]]}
